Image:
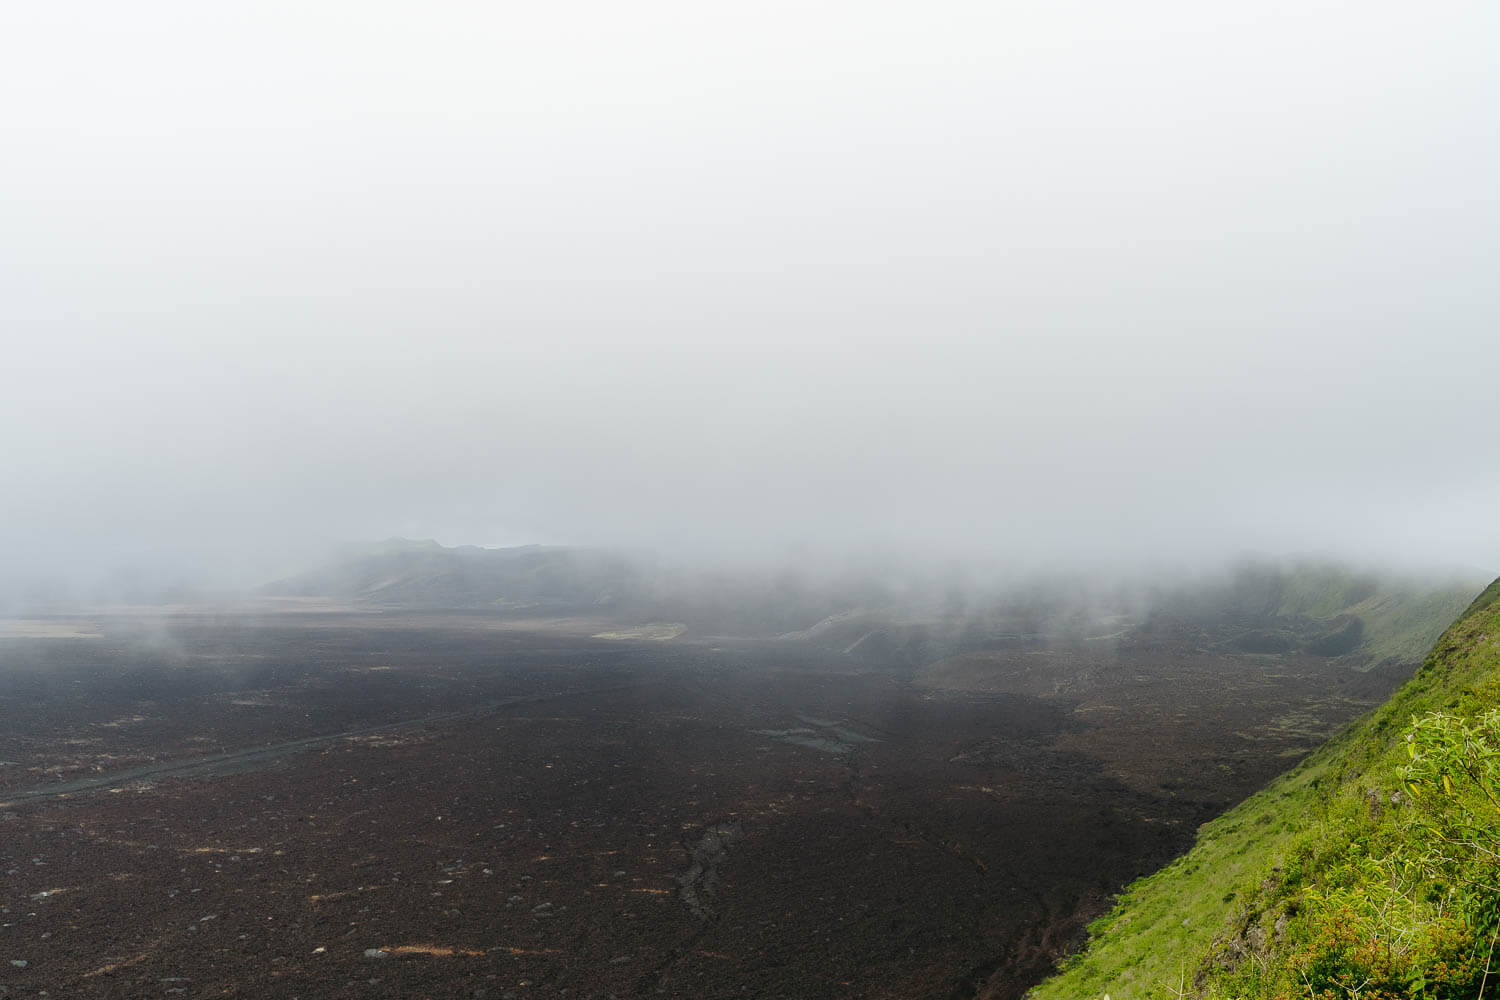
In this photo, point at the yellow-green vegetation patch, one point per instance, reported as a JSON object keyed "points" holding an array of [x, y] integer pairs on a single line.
{"points": [[652, 632]]}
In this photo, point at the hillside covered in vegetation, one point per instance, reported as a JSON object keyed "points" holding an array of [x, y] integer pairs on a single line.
{"points": [[1371, 870], [1365, 618]]}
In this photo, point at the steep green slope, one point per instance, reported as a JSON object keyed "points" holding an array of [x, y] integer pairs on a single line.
{"points": [[1353, 875], [1369, 619], [1400, 619]]}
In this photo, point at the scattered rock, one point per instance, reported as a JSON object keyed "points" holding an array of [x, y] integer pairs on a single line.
{"points": [[700, 882], [377, 953]]}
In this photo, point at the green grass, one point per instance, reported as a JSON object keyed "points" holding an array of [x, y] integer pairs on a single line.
{"points": [[1401, 627], [1240, 914], [1402, 617]]}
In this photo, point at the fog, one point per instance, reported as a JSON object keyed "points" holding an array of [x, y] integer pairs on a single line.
{"points": [[1058, 284]]}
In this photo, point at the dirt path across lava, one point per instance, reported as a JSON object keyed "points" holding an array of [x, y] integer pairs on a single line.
{"points": [[237, 761]]}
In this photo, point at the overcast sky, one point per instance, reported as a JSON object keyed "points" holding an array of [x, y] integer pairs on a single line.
{"points": [[1116, 281]]}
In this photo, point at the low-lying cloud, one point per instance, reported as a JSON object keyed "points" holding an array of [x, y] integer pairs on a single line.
{"points": [[1155, 285]]}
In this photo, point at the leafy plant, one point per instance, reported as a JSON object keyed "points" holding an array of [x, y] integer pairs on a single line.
{"points": [[1454, 779], [1453, 775]]}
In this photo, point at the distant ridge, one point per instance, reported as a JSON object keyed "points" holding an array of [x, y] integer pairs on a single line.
{"points": [[400, 572], [633, 587]]}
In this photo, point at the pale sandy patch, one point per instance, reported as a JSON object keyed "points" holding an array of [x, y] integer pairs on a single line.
{"points": [[49, 628], [652, 632]]}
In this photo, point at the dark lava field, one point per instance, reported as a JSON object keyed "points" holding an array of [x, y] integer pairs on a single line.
{"points": [[315, 802]]}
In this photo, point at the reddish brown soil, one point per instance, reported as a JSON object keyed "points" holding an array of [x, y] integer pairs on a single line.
{"points": [[590, 819]]}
